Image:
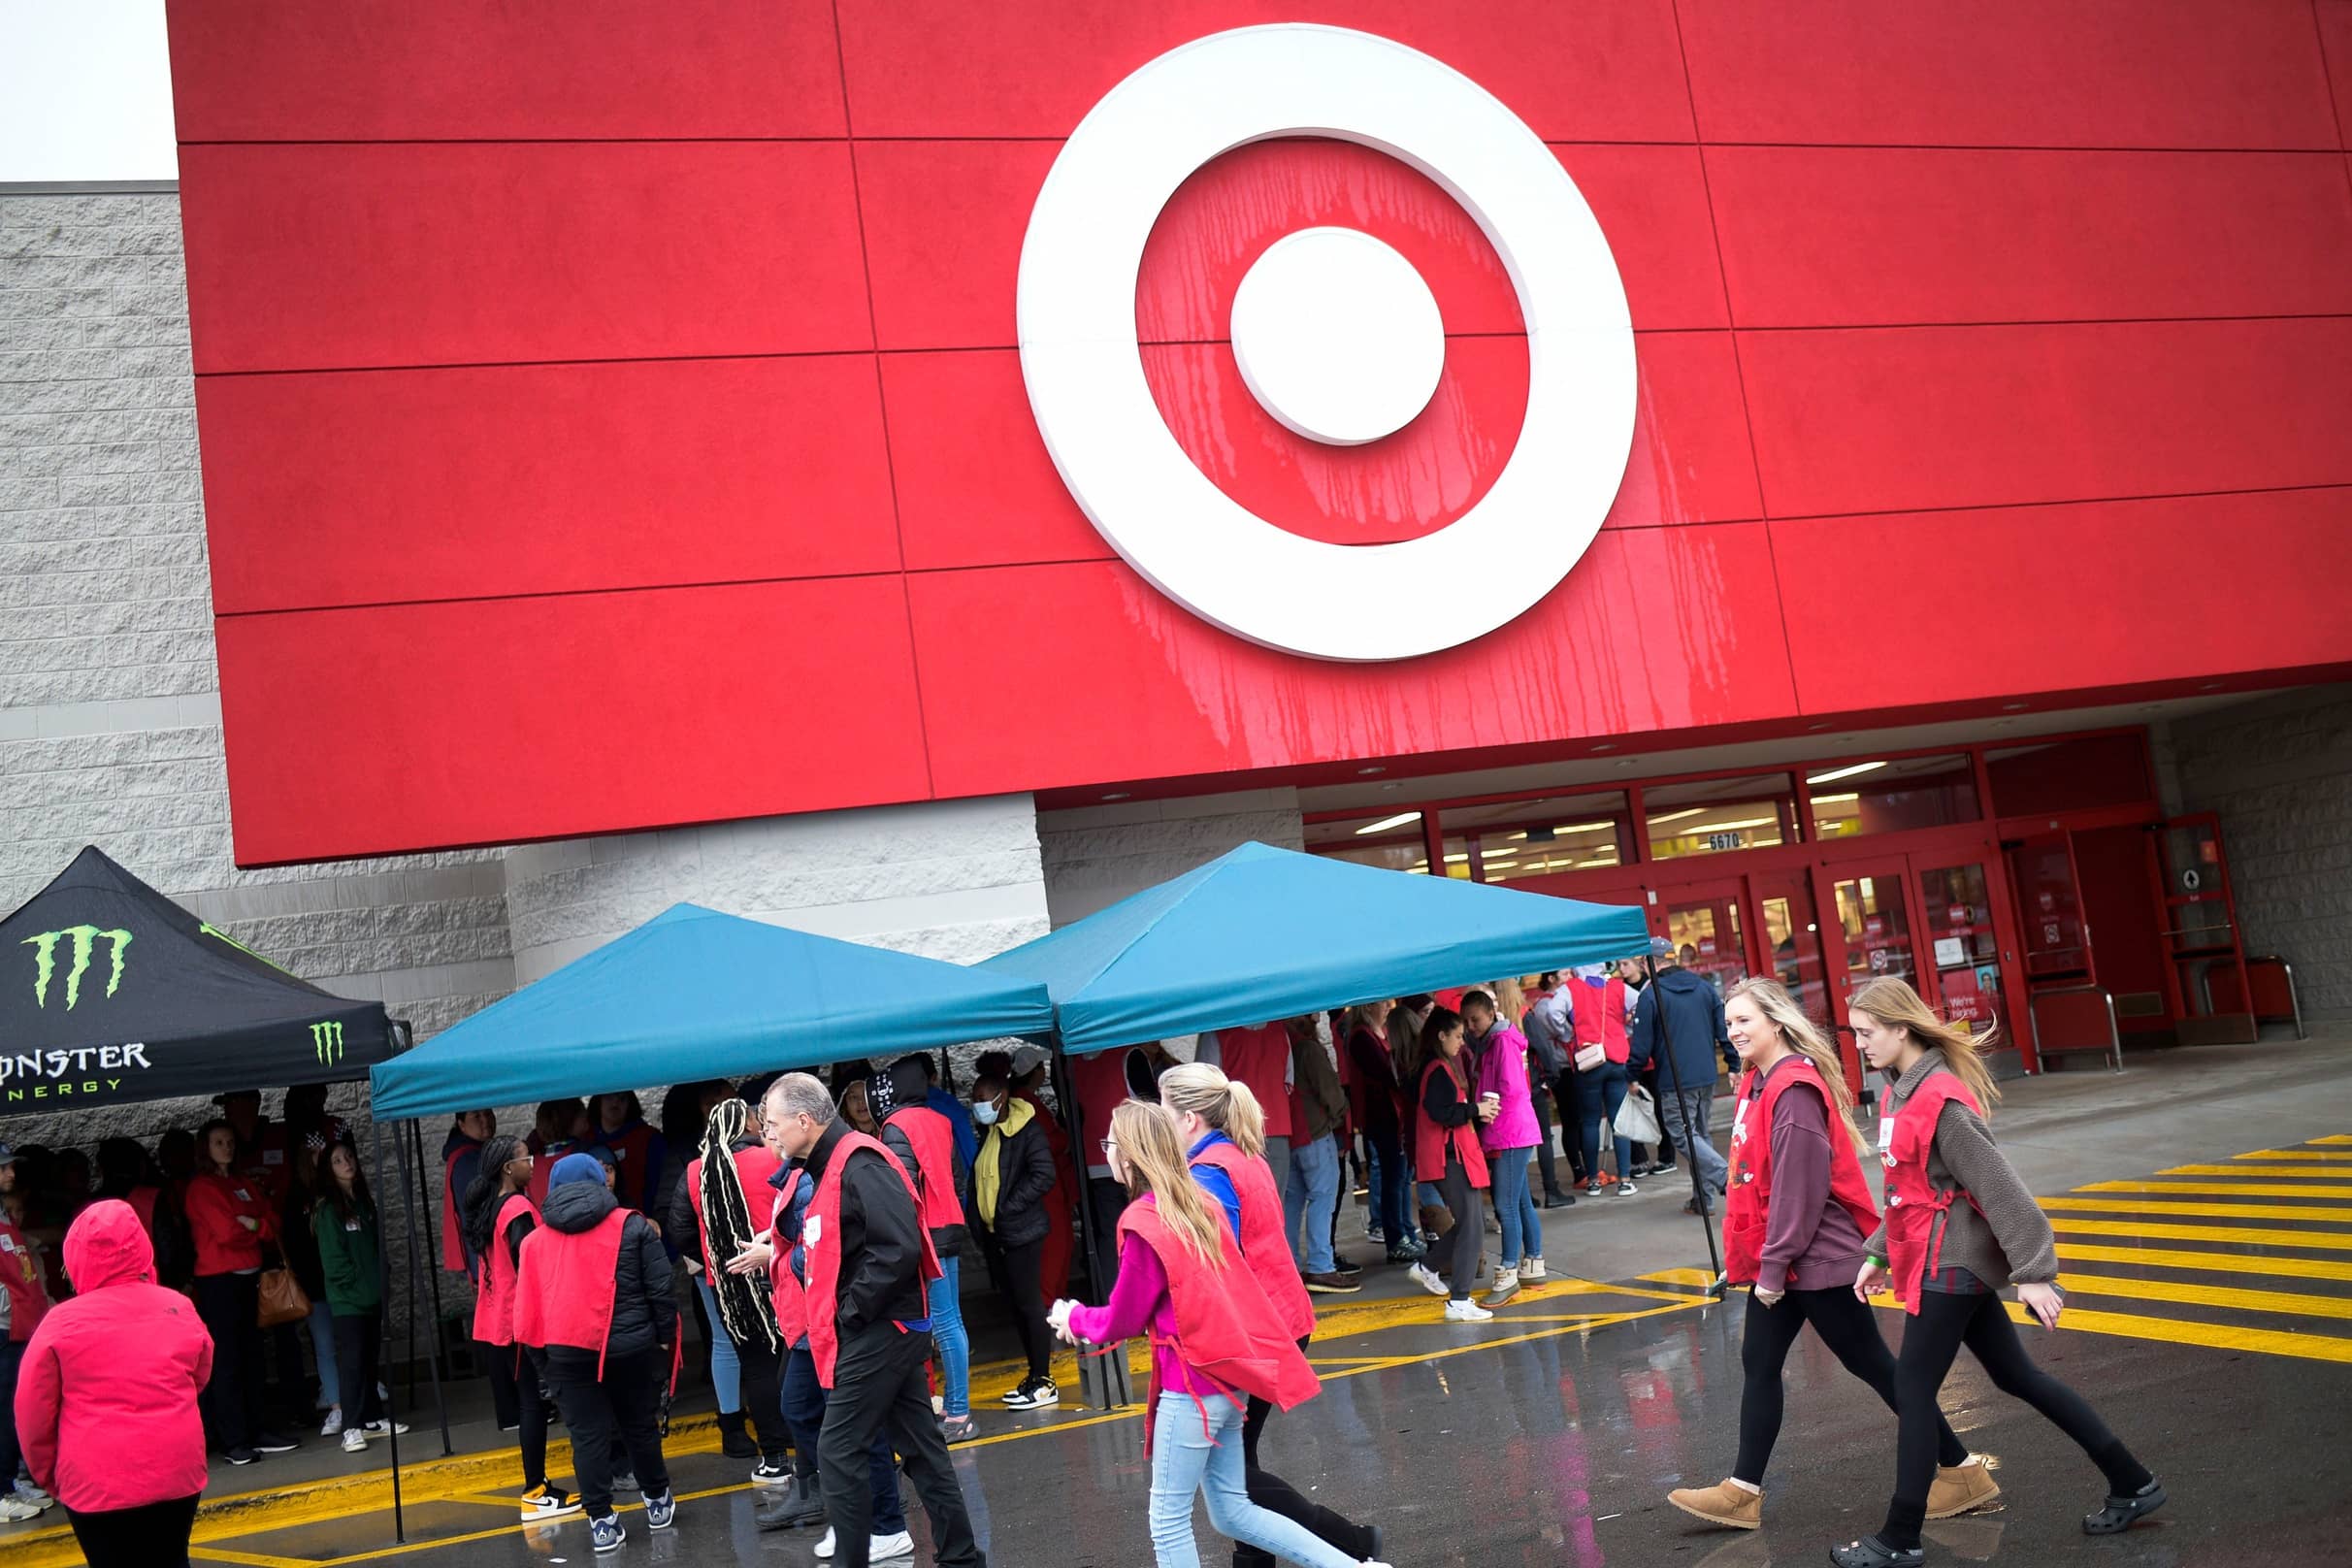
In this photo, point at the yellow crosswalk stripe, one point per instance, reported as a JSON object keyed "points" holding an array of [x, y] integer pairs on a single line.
{"points": [[2298, 1172], [2203, 1211], [2295, 1153], [2181, 1331], [2310, 1240], [2297, 1268], [2207, 1189], [2185, 1294], [2333, 1137]]}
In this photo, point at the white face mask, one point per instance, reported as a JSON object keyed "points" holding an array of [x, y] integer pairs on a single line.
{"points": [[985, 1112]]}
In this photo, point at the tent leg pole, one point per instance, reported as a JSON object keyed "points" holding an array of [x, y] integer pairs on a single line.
{"points": [[433, 1340], [1698, 1182], [383, 1268], [1103, 1380]]}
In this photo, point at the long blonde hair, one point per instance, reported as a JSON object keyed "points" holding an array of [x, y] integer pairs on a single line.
{"points": [[1894, 1004], [1146, 1135], [1801, 1036], [1202, 1089]]}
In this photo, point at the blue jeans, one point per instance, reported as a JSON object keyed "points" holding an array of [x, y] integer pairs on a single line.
{"points": [[1389, 1180], [321, 1325], [1604, 1091], [726, 1370], [804, 1401], [946, 1300], [1312, 1197], [1522, 1226], [1190, 1458]]}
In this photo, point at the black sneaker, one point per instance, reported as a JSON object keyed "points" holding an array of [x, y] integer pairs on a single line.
{"points": [[1034, 1393], [240, 1455], [275, 1442]]}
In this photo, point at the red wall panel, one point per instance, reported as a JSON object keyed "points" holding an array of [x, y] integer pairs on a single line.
{"points": [[1870, 236], [369, 487], [2336, 39], [494, 720], [458, 70], [326, 257], [975, 485], [1891, 419], [2009, 73], [1575, 73], [1148, 690], [2045, 598], [1691, 462]]}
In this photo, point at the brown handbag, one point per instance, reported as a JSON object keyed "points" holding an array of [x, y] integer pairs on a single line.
{"points": [[282, 1301]]}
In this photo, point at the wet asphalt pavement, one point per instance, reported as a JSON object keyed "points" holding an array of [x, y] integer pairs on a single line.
{"points": [[1555, 1446]]}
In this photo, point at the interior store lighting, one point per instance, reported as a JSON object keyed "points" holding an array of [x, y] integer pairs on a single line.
{"points": [[1386, 823], [1837, 773]]}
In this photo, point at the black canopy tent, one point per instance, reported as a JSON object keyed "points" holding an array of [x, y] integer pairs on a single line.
{"points": [[112, 993]]}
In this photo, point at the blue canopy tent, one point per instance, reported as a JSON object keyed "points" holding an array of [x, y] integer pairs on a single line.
{"points": [[1260, 933], [690, 994], [696, 994]]}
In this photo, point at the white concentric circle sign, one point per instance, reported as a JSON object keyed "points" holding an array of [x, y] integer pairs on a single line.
{"points": [[1078, 356]]}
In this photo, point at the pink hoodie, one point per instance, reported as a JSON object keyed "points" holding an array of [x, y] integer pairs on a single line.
{"points": [[106, 1402], [1503, 1071]]}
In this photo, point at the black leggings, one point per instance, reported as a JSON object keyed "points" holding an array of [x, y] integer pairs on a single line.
{"points": [[1846, 1326], [1271, 1492], [1024, 1276], [229, 1306], [514, 1384], [153, 1535], [359, 1345], [1931, 1342], [763, 1377], [1461, 1200]]}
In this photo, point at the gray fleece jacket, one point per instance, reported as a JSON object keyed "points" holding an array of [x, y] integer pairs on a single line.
{"points": [[2001, 1238]]}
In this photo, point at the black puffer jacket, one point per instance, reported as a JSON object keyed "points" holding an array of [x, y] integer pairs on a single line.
{"points": [[645, 1313], [1025, 1162]]}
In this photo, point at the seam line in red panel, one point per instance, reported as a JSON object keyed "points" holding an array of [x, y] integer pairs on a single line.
{"points": [[2064, 501], [890, 462], [2327, 74]]}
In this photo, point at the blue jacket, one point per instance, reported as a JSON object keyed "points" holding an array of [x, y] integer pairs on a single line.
{"points": [[1685, 1007]]}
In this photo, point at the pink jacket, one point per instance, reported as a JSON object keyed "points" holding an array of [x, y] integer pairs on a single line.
{"points": [[106, 1402], [1503, 1071]]}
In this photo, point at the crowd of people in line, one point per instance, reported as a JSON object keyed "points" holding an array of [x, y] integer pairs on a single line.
{"points": [[816, 1232]]}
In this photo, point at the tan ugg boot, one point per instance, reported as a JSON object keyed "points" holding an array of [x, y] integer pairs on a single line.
{"points": [[1732, 1506], [1959, 1488]]}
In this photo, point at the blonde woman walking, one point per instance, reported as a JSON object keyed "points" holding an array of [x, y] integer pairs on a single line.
{"points": [[1960, 1226], [1793, 1226]]}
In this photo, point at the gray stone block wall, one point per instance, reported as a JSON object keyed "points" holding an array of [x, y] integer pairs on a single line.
{"points": [[1096, 855], [2278, 774]]}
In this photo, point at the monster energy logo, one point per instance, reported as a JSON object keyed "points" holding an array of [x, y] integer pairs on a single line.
{"points": [[326, 1039], [85, 938]]}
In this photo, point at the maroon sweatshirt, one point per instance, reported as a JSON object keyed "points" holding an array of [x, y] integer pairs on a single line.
{"points": [[1808, 1238]]}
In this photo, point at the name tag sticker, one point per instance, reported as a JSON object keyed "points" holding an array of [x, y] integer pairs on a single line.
{"points": [[351, 1225], [812, 1230]]}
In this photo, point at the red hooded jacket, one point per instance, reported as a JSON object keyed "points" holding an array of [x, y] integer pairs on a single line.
{"points": [[114, 1371]]}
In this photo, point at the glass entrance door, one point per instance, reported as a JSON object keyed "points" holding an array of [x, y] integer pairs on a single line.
{"points": [[1964, 949], [2049, 906], [1703, 922], [1875, 923], [2200, 934], [1790, 923]]}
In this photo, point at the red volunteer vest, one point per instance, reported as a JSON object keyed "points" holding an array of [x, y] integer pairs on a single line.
{"points": [[141, 1200], [631, 1148], [1748, 1203], [20, 1275], [1915, 1206], [821, 1235], [792, 1301], [1429, 1140], [494, 1291], [1600, 1018], [1263, 1246], [1226, 1328], [453, 1245], [935, 1141], [1261, 1057], [564, 1295], [753, 1166]]}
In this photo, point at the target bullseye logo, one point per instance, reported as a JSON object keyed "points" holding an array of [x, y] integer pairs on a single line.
{"points": [[1337, 335]]}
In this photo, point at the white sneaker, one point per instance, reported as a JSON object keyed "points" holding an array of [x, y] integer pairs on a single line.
{"points": [[1531, 1268], [355, 1441], [1467, 1311], [1423, 1275], [27, 1492], [385, 1428], [824, 1544], [880, 1547], [1627, 1190], [14, 1508], [333, 1423]]}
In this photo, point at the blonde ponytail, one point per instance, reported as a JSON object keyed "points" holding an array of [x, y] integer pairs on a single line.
{"points": [[1894, 1004], [1149, 1148], [1203, 1090]]}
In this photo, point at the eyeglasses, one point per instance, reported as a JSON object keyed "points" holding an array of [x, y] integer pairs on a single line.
{"points": [[1109, 1144]]}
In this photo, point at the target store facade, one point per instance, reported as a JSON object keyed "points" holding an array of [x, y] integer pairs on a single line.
{"points": [[916, 468]]}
